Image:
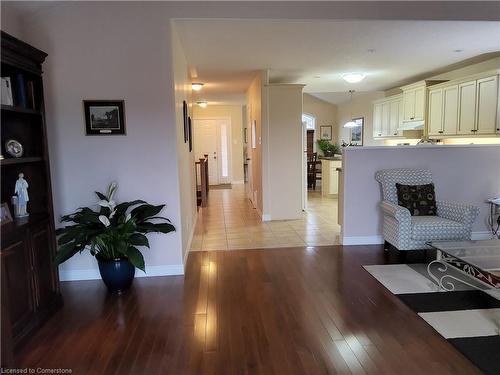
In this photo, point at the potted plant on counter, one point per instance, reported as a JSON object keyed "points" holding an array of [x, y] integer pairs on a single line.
{"points": [[113, 234], [328, 148]]}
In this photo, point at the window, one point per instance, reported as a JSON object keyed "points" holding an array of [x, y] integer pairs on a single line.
{"points": [[310, 121]]}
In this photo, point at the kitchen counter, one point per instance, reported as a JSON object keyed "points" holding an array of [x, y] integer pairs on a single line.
{"points": [[330, 176]]}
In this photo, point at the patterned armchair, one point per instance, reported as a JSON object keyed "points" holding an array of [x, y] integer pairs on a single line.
{"points": [[405, 232]]}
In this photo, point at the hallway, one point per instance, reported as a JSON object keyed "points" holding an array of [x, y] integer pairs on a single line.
{"points": [[230, 222]]}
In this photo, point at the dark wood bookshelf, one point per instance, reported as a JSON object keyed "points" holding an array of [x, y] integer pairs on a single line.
{"points": [[14, 161], [29, 278], [12, 108]]}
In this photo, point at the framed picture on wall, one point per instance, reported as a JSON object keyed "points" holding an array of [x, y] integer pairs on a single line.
{"points": [[104, 117], [190, 134], [325, 132], [254, 135], [185, 118], [356, 133]]}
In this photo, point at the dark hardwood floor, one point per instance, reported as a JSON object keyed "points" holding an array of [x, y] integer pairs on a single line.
{"points": [[273, 311]]}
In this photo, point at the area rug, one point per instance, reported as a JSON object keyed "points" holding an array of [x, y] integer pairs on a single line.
{"points": [[467, 318]]}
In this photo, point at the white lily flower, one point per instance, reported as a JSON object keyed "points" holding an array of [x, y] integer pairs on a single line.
{"points": [[112, 214], [112, 205], [112, 189], [103, 219], [103, 203], [128, 217]]}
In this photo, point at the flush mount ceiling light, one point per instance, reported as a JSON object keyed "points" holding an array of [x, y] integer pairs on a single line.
{"points": [[202, 104], [350, 123], [197, 86], [353, 77]]}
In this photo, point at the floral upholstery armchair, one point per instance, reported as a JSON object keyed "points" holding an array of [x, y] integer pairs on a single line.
{"points": [[405, 232]]}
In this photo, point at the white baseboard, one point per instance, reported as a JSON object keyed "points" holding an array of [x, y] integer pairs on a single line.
{"points": [[266, 217], [190, 240], [93, 273], [238, 182], [379, 239], [362, 240]]}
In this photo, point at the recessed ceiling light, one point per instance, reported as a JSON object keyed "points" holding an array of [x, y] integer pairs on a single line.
{"points": [[202, 104], [370, 50], [317, 76], [196, 86], [353, 77], [458, 50]]}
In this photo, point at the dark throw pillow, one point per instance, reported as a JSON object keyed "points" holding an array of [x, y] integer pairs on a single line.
{"points": [[419, 199]]}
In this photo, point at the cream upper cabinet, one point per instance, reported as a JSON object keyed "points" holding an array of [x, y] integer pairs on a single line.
{"points": [[409, 105], [450, 110], [419, 111], [377, 120], [435, 125], [387, 116], [414, 101], [467, 108], [487, 105], [394, 117]]}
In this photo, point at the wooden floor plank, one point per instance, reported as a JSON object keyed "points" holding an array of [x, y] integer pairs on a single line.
{"points": [[286, 311]]}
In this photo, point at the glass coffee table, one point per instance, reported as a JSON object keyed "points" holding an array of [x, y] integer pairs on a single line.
{"points": [[479, 260]]}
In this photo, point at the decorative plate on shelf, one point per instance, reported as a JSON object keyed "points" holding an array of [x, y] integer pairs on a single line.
{"points": [[14, 148]]}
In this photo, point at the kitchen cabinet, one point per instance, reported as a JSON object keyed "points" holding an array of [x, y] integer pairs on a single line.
{"points": [[330, 177], [414, 101], [465, 107], [487, 105], [435, 124], [387, 117]]}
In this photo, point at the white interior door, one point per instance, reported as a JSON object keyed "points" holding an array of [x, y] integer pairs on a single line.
{"points": [[212, 138], [205, 143]]}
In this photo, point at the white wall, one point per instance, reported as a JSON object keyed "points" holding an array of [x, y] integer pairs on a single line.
{"points": [[361, 106], [187, 178], [468, 174], [284, 189], [11, 24], [235, 113], [102, 51]]}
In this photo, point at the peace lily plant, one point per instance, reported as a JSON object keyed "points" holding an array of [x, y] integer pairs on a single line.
{"points": [[113, 234]]}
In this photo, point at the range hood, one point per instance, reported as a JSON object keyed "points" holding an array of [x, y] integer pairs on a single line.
{"points": [[412, 125]]}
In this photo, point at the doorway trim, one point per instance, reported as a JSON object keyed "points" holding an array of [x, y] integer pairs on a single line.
{"points": [[229, 148]]}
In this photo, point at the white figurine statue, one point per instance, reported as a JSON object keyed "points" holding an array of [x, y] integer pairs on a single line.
{"points": [[22, 196]]}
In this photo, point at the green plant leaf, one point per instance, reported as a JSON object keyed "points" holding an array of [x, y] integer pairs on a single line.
{"points": [[146, 227], [101, 196], [136, 258], [124, 206], [145, 211], [138, 239], [65, 252]]}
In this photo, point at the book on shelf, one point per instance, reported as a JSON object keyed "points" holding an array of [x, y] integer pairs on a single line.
{"points": [[30, 86], [7, 91], [21, 91]]}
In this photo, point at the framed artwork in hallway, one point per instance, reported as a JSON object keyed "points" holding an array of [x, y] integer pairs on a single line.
{"points": [[104, 117], [326, 132], [356, 133]]}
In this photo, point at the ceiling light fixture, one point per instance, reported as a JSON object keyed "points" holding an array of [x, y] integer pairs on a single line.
{"points": [[353, 77], [350, 123], [458, 50], [197, 86], [202, 104]]}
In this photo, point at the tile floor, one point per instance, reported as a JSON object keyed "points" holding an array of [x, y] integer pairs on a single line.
{"points": [[229, 222]]}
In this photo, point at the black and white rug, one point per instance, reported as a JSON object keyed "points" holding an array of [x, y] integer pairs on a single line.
{"points": [[468, 318]]}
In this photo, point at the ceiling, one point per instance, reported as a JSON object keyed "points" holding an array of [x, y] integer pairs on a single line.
{"points": [[226, 54]]}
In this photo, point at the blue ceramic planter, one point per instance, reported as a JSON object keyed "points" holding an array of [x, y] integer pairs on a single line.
{"points": [[117, 274]]}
